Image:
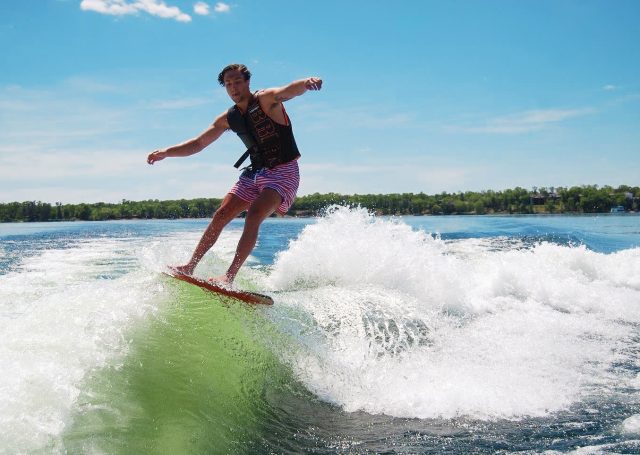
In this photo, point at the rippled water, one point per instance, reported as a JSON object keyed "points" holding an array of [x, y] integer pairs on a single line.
{"points": [[410, 335]]}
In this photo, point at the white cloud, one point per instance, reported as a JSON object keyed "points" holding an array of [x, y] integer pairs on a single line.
{"points": [[201, 8], [609, 87], [221, 8], [523, 122], [156, 8], [114, 7], [123, 7]]}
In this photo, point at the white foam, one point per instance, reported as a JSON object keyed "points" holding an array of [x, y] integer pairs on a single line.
{"points": [[67, 311], [402, 323], [631, 425], [59, 319]]}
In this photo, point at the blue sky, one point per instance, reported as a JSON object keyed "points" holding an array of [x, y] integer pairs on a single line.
{"points": [[425, 95]]}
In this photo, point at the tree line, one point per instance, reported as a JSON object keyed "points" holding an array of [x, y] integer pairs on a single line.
{"points": [[582, 199], [101, 211]]}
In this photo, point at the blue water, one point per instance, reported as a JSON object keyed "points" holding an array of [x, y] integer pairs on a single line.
{"points": [[453, 334]]}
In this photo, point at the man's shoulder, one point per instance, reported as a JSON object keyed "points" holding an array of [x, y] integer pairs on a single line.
{"points": [[222, 120], [266, 97]]}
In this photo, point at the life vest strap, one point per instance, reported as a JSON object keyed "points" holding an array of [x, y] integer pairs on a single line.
{"points": [[241, 160]]}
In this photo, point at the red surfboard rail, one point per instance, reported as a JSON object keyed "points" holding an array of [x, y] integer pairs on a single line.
{"points": [[247, 297]]}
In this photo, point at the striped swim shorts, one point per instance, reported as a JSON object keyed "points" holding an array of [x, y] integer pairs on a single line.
{"points": [[283, 178]]}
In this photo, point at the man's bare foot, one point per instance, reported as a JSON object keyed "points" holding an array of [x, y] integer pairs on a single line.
{"points": [[181, 269], [222, 280]]}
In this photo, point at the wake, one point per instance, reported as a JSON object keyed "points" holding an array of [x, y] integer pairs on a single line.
{"points": [[397, 321]]}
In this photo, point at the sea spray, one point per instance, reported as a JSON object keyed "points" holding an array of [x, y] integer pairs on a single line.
{"points": [[68, 306], [401, 322], [64, 313]]}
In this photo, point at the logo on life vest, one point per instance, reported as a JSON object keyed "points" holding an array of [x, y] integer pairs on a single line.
{"points": [[262, 124]]}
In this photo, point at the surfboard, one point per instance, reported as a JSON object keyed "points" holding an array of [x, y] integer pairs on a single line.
{"points": [[245, 296]]}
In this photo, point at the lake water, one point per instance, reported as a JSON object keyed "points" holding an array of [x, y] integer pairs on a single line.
{"points": [[388, 335]]}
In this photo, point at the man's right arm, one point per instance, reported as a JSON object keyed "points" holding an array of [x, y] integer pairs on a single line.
{"points": [[195, 145]]}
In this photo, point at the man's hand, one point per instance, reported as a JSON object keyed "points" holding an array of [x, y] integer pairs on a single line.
{"points": [[313, 83], [157, 155]]}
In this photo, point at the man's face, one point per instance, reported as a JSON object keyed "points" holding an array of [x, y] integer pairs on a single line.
{"points": [[237, 88]]}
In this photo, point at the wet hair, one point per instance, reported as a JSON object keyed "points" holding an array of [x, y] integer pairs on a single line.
{"points": [[234, 66]]}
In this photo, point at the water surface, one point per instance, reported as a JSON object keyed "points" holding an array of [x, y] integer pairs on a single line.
{"points": [[389, 335]]}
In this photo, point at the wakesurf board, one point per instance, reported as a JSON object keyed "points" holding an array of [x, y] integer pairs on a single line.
{"points": [[245, 296]]}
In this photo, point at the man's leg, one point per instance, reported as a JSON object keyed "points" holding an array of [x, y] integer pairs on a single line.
{"points": [[267, 203], [231, 207]]}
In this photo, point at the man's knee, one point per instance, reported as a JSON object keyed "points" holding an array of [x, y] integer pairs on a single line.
{"points": [[256, 217], [231, 207], [264, 206], [223, 214]]}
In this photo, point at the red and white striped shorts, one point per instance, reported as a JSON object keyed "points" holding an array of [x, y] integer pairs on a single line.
{"points": [[284, 178]]}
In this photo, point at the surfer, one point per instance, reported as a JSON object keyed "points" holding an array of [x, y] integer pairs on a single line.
{"points": [[270, 183]]}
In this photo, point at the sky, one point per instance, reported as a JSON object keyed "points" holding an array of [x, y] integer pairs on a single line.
{"points": [[418, 96]]}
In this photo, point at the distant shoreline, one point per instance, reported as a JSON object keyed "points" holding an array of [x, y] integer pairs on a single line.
{"points": [[309, 217], [581, 200]]}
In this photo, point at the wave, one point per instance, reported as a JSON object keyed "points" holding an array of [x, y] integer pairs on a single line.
{"points": [[393, 320], [63, 312], [372, 314]]}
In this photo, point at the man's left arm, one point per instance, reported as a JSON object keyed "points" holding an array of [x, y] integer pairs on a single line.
{"points": [[296, 88]]}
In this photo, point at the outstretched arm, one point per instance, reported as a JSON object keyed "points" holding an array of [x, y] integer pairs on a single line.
{"points": [[195, 145], [296, 88]]}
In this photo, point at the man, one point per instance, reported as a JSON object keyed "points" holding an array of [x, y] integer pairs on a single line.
{"points": [[270, 183]]}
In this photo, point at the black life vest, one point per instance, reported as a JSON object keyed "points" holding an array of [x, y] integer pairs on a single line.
{"points": [[268, 143]]}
